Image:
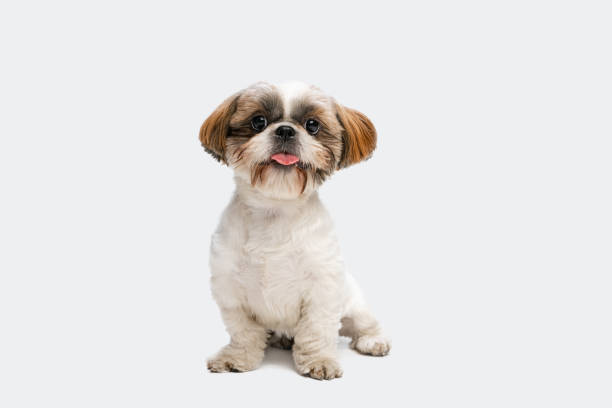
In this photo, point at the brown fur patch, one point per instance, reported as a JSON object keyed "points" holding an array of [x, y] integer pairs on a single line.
{"points": [[303, 109], [259, 99], [257, 173], [359, 136], [215, 128], [303, 178]]}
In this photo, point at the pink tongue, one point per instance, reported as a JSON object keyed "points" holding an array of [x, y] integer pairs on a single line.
{"points": [[285, 159]]}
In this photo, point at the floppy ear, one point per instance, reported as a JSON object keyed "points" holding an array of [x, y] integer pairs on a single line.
{"points": [[358, 137], [215, 128]]}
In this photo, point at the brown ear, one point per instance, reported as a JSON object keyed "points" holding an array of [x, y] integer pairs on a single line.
{"points": [[215, 128], [359, 136]]}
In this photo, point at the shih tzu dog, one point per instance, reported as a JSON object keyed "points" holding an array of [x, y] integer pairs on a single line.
{"points": [[277, 273]]}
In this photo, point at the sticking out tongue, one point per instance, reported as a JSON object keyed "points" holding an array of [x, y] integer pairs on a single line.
{"points": [[285, 159]]}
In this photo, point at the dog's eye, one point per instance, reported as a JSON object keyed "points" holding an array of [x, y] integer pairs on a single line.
{"points": [[311, 126], [259, 123]]}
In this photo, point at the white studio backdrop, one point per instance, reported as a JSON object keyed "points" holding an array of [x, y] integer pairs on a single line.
{"points": [[480, 230]]}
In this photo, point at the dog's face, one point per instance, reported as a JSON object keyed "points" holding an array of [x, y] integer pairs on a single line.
{"points": [[286, 140]]}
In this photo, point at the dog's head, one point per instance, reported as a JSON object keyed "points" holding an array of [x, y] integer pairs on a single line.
{"points": [[286, 140]]}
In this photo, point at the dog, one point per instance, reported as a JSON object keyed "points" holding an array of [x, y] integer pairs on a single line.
{"points": [[277, 274]]}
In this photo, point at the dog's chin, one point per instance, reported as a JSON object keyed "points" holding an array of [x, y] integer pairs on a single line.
{"points": [[276, 180]]}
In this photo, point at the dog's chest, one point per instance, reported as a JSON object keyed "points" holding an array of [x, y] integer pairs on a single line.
{"points": [[273, 272]]}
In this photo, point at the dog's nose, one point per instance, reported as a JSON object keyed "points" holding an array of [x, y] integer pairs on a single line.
{"points": [[285, 132]]}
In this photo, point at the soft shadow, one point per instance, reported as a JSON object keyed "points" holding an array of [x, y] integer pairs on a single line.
{"points": [[279, 358], [343, 343]]}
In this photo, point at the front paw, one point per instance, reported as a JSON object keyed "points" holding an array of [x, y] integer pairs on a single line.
{"points": [[321, 369], [234, 360], [372, 345]]}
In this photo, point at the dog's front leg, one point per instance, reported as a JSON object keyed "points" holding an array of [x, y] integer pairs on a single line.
{"points": [[247, 344], [315, 342]]}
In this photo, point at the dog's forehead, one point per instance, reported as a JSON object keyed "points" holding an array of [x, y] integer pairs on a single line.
{"points": [[296, 94], [290, 91]]}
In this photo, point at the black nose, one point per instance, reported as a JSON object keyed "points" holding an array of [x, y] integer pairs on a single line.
{"points": [[285, 132]]}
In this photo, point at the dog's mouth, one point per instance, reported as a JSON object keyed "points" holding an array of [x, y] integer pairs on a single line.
{"points": [[285, 159]]}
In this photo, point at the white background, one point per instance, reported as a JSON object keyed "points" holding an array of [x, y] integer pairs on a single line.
{"points": [[480, 230]]}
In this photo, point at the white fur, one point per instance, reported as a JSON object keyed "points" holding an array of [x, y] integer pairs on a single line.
{"points": [[291, 90], [276, 266]]}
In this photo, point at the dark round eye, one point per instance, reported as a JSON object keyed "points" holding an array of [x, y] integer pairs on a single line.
{"points": [[259, 123], [311, 126]]}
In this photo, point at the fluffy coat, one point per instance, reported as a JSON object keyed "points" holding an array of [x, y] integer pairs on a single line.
{"points": [[277, 274]]}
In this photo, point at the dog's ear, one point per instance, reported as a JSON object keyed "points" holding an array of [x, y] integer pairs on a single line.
{"points": [[215, 128], [358, 136]]}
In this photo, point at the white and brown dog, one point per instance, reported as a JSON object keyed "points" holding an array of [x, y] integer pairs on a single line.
{"points": [[277, 272]]}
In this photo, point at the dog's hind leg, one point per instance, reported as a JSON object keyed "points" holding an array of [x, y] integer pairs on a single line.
{"points": [[361, 326]]}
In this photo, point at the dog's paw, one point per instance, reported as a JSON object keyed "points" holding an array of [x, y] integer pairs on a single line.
{"points": [[232, 360], [372, 345], [321, 369]]}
